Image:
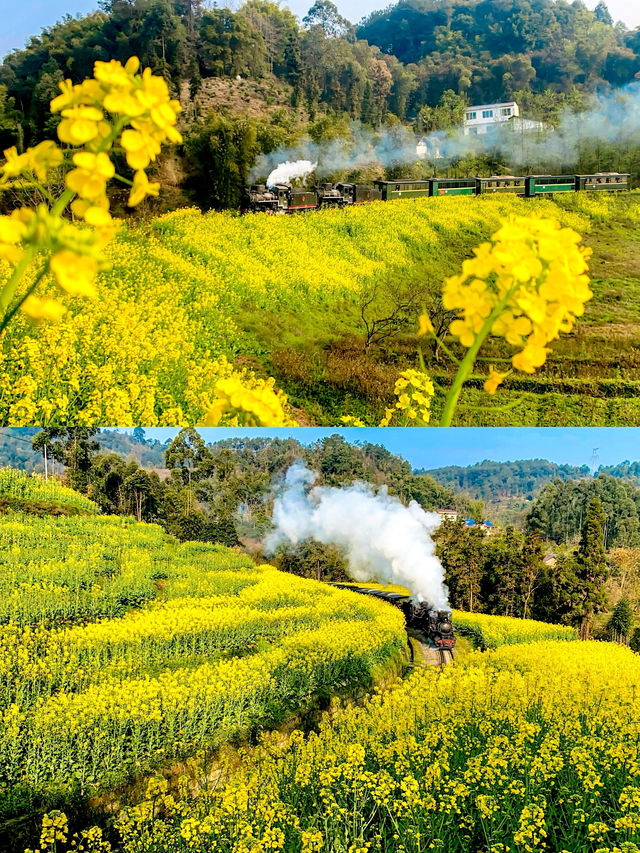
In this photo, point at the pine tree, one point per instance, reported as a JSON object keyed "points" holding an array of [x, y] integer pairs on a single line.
{"points": [[603, 14], [621, 621], [590, 568]]}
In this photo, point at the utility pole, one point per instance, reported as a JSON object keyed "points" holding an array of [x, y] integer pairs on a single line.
{"points": [[46, 469]]}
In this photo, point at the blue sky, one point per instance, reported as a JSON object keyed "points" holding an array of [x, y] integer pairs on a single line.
{"points": [[433, 448], [26, 18]]}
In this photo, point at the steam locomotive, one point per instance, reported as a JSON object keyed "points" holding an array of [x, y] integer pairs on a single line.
{"points": [[283, 198], [434, 625]]}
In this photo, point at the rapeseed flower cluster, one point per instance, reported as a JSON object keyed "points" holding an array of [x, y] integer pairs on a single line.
{"points": [[150, 352], [99, 676], [527, 285], [414, 391], [116, 108], [490, 632], [19, 485], [494, 754], [241, 404]]}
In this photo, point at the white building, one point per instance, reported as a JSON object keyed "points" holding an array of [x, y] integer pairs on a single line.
{"points": [[448, 514], [485, 118]]}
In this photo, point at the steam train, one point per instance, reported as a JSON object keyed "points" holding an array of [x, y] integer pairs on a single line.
{"points": [[284, 198], [435, 625]]}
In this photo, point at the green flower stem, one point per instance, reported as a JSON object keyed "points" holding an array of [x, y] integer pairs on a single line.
{"points": [[445, 349], [13, 311], [8, 291], [466, 366], [62, 202]]}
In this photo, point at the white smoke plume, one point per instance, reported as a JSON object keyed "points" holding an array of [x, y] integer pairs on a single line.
{"points": [[363, 147], [612, 118], [287, 172], [381, 539]]}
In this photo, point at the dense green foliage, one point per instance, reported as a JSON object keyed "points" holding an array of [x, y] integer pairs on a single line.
{"points": [[418, 62], [560, 510], [16, 449], [402, 58], [496, 480], [508, 574], [217, 492], [491, 50]]}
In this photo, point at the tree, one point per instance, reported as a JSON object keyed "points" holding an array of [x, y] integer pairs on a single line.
{"points": [[325, 14], [460, 550], [386, 308], [621, 621], [602, 13], [139, 435], [590, 567], [187, 456], [138, 486], [73, 447], [311, 559]]}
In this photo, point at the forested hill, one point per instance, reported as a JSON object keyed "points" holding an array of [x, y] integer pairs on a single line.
{"points": [[16, 450], [497, 481], [490, 49], [257, 80]]}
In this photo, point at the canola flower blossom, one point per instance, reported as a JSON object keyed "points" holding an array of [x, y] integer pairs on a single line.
{"points": [[149, 352], [243, 404], [116, 109], [490, 632], [531, 747], [414, 391], [103, 672], [16, 486], [527, 285]]}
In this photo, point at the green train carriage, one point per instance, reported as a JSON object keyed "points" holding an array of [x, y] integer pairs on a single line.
{"points": [[403, 189], [501, 185], [547, 184], [603, 182], [453, 186]]}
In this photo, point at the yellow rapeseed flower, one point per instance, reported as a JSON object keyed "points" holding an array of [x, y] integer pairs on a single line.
{"points": [[74, 273]]}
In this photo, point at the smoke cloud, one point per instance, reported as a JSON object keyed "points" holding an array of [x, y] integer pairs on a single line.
{"points": [[287, 172], [363, 147], [612, 118], [382, 540]]}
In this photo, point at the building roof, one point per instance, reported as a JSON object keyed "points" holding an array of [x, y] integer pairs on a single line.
{"points": [[492, 106]]}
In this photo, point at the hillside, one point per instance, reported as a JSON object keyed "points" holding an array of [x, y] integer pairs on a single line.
{"points": [[254, 81], [491, 50], [234, 302], [16, 451], [155, 693], [168, 648], [497, 481]]}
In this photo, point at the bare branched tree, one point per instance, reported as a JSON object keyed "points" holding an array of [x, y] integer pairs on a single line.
{"points": [[386, 310]]}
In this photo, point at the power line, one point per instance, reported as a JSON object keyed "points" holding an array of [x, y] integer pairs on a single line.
{"points": [[18, 438]]}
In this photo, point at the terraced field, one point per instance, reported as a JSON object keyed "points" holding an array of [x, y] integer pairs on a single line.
{"points": [[121, 650], [526, 747], [284, 297]]}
